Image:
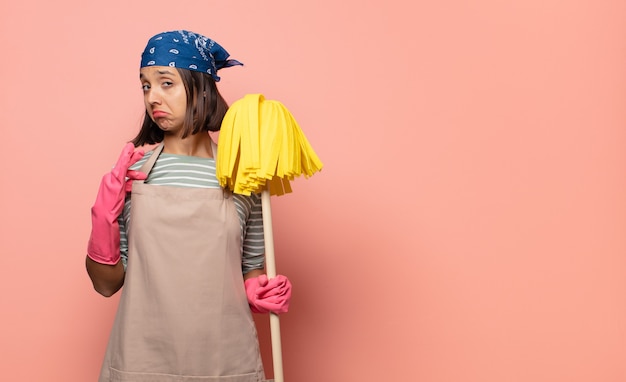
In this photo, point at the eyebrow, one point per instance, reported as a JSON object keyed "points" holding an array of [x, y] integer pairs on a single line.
{"points": [[161, 72]]}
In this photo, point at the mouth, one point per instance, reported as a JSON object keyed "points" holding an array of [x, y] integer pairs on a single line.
{"points": [[158, 114]]}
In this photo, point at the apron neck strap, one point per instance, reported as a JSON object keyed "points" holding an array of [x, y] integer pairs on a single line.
{"points": [[214, 149], [147, 167]]}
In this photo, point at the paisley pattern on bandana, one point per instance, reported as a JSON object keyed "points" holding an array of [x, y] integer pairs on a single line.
{"points": [[186, 50]]}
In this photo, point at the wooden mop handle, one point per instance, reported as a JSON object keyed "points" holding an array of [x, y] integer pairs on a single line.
{"points": [[270, 268]]}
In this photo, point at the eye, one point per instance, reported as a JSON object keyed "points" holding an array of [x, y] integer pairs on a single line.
{"points": [[145, 87], [167, 83]]}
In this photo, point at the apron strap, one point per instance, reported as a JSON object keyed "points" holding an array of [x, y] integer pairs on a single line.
{"points": [[147, 167], [214, 149], [227, 193]]}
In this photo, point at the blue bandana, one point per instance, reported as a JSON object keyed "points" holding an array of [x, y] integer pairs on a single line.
{"points": [[186, 50]]}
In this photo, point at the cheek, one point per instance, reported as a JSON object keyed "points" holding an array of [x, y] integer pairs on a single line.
{"points": [[147, 107], [148, 114], [182, 102], [182, 107]]}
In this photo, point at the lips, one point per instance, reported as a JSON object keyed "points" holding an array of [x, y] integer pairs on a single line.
{"points": [[158, 114]]}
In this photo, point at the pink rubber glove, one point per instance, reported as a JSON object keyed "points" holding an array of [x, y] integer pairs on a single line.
{"points": [[271, 295], [104, 243]]}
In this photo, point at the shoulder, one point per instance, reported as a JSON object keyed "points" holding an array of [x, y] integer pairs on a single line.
{"points": [[249, 200], [248, 205]]}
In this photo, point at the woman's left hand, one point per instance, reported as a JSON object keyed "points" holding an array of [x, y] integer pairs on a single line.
{"points": [[268, 295]]}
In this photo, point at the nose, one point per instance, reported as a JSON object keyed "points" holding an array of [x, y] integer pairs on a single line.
{"points": [[153, 97]]}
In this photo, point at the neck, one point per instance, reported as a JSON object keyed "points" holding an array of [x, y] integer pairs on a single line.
{"points": [[198, 145]]}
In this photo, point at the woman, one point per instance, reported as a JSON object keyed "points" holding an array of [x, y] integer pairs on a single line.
{"points": [[191, 252]]}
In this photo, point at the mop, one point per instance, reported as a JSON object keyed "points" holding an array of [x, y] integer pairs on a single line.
{"points": [[262, 149]]}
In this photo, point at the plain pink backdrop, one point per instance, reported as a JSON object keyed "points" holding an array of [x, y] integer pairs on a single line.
{"points": [[469, 224]]}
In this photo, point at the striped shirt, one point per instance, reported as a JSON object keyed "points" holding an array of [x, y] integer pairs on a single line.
{"points": [[189, 171]]}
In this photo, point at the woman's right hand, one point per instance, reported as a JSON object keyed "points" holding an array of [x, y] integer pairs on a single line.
{"points": [[104, 242]]}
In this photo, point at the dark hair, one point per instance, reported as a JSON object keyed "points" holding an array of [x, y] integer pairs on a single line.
{"points": [[205, 109]]}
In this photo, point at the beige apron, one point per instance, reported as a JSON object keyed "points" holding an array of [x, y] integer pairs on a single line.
{"points": [[183, 313]]}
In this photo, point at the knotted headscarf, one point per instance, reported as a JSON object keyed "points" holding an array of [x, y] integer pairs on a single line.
{"points": [[186, 50]]}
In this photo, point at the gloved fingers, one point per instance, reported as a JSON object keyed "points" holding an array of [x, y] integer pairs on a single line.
{"points": [[268, 295], [128, 187], [274, 300], [280, 290], [277, 307], [257, 309], [136, 175], [262, 279], [121, 166], [135, 157], [264, 293], [274, 295], [132, 176], [124, 159], [274, 282], [277, 286]]}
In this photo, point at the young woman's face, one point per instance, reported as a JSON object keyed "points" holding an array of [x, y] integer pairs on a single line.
{"points": [[164, 97]]}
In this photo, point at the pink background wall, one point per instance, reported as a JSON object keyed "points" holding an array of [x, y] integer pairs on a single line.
{"points": [[469, 224]]}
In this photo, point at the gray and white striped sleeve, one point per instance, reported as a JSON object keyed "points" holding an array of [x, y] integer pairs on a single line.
{"points": [[253, 255]]}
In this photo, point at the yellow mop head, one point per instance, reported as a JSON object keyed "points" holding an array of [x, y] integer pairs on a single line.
{"points": [[261, 145]]}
